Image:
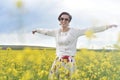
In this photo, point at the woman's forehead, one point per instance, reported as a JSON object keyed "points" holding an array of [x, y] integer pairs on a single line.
{"points": [[65, 16]]}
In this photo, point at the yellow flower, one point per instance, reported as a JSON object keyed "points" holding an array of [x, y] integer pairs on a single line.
{"points": [[27, 75], [15, 72], [89, 34], [117, 45], [9, 49], [29, 64], [104, 78], [19, 3]]}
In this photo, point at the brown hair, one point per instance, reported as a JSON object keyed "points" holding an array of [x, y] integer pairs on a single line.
{"points": [[66, 13]]}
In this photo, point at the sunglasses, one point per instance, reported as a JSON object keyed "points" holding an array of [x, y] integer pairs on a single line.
{"points": [[66, 19]]}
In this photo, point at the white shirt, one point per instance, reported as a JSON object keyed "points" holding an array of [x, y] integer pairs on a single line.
{"points": [[66, 41]]}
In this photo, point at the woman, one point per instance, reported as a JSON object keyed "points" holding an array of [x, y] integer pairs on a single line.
{"points": [[66, 39]]}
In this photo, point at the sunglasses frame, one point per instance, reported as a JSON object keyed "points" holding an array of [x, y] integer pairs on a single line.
{"points": [[66, 19]]}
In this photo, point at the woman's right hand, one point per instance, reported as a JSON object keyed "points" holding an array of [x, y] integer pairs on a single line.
{"points": [[33, 32]]}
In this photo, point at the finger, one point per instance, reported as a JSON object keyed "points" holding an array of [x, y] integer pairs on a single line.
{"points": [[113, 25]]}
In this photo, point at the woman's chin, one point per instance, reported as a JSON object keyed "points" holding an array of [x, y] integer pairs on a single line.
{"points": [[64, 26]]}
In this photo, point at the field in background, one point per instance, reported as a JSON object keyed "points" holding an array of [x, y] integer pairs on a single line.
{"points": [[34, 64]]}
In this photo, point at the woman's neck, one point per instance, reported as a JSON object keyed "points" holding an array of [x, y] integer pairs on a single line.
{"points": [[65, 29]]}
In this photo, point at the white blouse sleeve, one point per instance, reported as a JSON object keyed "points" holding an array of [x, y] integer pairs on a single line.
{"points": [[81, 32], [48, 32]]}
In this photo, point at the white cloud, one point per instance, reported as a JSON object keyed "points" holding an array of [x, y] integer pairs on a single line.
{"points": [[105, 11]]}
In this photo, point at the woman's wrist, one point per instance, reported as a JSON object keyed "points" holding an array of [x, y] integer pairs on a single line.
{"points": [[107, 27]]}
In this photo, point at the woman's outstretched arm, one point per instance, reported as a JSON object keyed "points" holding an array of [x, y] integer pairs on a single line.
{"points": [[45, 32], [81, 32]]}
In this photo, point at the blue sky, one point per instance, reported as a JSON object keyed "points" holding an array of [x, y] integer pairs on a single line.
{"points": [[16, 24]]}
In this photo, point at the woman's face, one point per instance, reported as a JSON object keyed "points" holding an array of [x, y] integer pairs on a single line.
{"points": [[64, 20]]}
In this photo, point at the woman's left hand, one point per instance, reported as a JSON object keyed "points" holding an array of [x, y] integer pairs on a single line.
{"points": [[113, 25]]}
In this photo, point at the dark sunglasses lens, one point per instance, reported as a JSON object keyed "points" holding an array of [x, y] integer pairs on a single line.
{"points": [[66, 19], [62, 19]]}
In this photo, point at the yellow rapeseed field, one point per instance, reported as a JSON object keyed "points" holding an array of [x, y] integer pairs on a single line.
{"points": [[35, 64]]}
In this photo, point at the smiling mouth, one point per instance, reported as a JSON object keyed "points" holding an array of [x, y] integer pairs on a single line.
{"points": [[63, 23]]}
